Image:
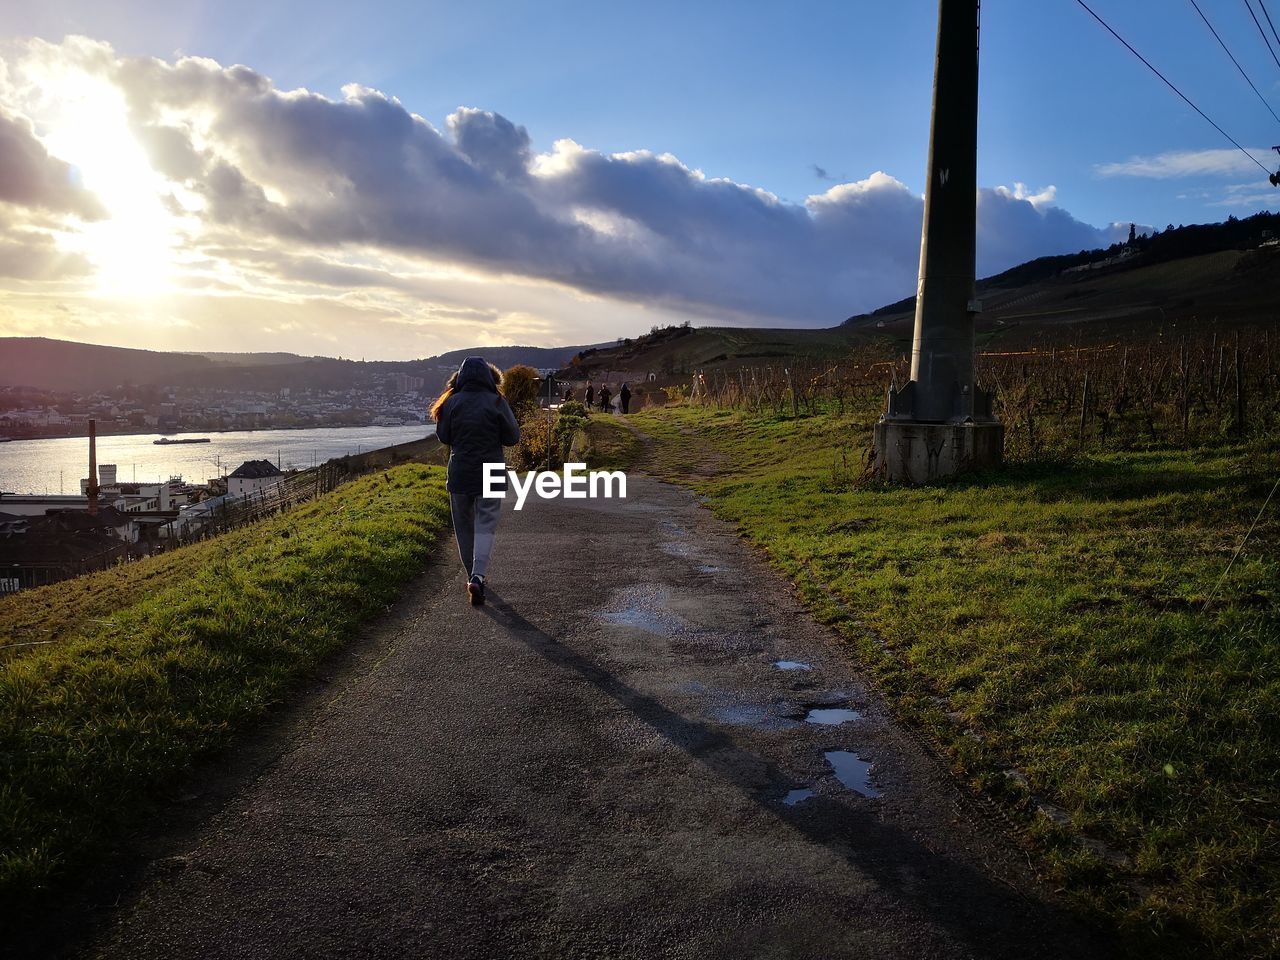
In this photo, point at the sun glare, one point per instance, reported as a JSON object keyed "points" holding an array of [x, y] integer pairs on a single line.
{"points": [[86, 125]]}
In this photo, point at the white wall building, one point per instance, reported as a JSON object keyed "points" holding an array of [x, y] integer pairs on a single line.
{"points": [[253, 476]]}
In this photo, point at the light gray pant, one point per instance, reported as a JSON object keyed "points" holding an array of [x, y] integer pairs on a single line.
{"points": [[474, 521]]}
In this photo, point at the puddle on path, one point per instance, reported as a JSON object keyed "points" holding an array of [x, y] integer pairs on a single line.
{"points": [[709, 568], [751, 715], [791, 665], [797, 796], [852, 771], [831, 716], [643, 607], [639, 618]]}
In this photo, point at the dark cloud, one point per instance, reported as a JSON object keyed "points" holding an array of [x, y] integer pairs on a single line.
{"points": [[639, 226], [492, 142], [30, 177]]}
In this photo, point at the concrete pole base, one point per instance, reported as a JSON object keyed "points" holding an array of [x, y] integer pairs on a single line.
{"points": [[909, 452]]}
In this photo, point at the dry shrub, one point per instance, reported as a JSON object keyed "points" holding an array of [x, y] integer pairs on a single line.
{"points": [[520, 387]]}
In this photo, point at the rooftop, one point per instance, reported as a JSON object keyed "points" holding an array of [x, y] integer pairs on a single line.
{"points": [[255, 469]]}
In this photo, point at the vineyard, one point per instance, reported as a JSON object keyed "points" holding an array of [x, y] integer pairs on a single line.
{"points": [[1189, 391]]}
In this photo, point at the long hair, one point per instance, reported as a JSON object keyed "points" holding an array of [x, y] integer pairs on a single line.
{"points": [[449, 386]]}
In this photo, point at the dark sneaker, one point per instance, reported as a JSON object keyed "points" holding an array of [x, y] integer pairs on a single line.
{"points": [[475, 591]]}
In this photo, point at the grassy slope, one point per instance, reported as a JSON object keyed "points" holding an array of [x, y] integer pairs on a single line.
{"points": [[164, 659], [1061, 610]]}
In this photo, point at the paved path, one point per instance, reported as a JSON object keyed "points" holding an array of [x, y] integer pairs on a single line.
{"points": [[594, 765]]}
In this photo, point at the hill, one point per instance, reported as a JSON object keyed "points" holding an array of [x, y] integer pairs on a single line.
{"points": [[43, 363], [1180, 277], [251, 359], [1112, 301], [65, 365], [539, 357], [670, 353]]}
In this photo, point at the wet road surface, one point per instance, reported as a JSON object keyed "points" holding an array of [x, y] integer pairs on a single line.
{"points": [[632, 751]]}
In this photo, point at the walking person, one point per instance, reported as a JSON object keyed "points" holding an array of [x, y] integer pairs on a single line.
{"points": [[604, 398], [624, 397], [591, 394], [475, 422]]}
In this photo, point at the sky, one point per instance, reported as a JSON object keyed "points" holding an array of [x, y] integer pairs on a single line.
{"points": [[396, 179]]}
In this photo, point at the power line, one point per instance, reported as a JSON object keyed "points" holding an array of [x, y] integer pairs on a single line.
{"points": [[1233, 59], [1247, 535], [1261, 32], [1269, 23], [1170, 85]]}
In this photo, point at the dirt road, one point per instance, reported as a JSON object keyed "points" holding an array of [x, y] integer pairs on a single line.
{"points": [[600, 763]]}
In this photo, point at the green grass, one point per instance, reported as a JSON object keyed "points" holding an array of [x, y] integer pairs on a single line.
{"points": [[608, 444], [158, 662], [1064, 611]]}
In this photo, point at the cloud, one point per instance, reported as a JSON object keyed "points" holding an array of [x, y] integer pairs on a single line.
{"points": [[1020, 191], [1182, 163], [1016, 225], [28, 255], [335, 185], [491, 142], [1252, 195], [30, 177]]}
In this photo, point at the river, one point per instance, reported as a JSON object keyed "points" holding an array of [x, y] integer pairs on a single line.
{"points": [[53, 466]]}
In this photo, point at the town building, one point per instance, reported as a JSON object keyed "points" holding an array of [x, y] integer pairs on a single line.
{"points": [[253, 476]]}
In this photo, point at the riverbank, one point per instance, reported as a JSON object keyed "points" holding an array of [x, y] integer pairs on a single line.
{"points": [[1065, 629]]}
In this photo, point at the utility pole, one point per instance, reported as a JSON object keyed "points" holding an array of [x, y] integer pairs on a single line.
{"points": [[940, 423]]}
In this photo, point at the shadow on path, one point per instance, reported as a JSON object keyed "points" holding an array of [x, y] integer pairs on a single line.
{"points": [[978, 911]]}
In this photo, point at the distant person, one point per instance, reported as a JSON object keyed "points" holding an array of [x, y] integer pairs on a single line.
{"points": [[624, 397], [591, 393], [604, 398], [475, 422], [568, 395]]}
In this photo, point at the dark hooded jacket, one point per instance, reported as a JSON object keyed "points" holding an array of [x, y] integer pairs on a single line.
{"points": [[476, 422]]}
